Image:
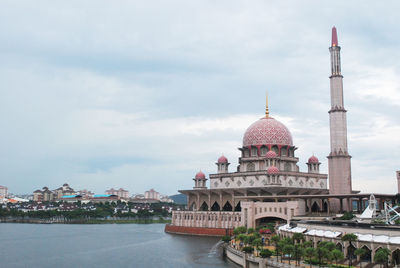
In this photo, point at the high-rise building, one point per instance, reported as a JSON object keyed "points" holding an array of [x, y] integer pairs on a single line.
{"points": [[120, 192], [3, 191]]}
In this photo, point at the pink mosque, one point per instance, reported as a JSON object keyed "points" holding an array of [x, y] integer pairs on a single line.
{"points": [[268, 184]]}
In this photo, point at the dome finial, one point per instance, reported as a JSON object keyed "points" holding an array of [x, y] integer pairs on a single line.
{"points": [[266, 107]]}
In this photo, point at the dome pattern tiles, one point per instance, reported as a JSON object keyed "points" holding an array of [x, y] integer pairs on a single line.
{"points": [[267, 131]]}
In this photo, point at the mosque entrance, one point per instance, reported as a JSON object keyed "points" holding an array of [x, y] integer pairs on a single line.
{"points": [[268, 220]]}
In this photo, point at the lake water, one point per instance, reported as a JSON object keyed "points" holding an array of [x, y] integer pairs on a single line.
{"points": [[104, 245]]}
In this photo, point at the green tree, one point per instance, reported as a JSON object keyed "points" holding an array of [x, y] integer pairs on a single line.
{"points": [[250, 230], [298, 237], [288, 250], [248, 249], [298, 252], [360, 252], [382, 256], [275, 240], [309, 253], [265, 253], [239, 230], [241, 237], [226, 238], [322, 253], [350, 238], [257, 242], [337, 255]]}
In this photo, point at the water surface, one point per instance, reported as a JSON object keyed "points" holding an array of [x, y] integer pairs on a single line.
{"points": [[103, 245]]}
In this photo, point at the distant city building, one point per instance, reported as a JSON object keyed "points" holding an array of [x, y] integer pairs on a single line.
{"points": [[47, 195], [3, 191], [152, 194], [85, 194], [43, 195], [64, 190], [120, 193]]}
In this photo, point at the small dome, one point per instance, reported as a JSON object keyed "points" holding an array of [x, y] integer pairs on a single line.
{"points": [[222, 159], [273, 170], [270, 154], [200, 176], [313, 160]]}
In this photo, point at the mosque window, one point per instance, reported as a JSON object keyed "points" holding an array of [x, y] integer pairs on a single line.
{"points": [[287, 167], [264, 150], [253, 151], [275, 149], [246, 153], [251, 167], [280, 210], [283, 152]]}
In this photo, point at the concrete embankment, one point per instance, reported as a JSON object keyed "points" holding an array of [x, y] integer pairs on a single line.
{"points": [[249, 261], [201, 231]]}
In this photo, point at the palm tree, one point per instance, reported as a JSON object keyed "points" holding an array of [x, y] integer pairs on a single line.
{"points": [[350, 238], [360, 252]]}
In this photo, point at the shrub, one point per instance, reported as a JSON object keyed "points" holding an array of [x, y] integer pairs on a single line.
{"points": [[226, 238], [266, 253], [347, 216], [240, 230], [248, 249], [250, 230]]}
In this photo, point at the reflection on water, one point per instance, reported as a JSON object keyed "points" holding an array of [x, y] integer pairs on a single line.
{"points": [[108, 245]]}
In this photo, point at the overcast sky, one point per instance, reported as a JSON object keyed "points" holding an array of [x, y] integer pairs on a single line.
{"points": [[143, 94]]}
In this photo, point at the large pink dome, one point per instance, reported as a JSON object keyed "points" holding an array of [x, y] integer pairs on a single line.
{"points": [[267, 131]]}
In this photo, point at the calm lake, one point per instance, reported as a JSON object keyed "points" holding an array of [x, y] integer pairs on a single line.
{"points": [[104, 245]]}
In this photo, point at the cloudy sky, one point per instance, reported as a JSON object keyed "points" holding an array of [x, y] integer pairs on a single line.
{"points": [[143, 94]]}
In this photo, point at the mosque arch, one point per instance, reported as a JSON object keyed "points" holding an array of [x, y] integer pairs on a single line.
{"points": [[275, 149], [253, 151], [325, 207], [193, 206], [238, 207], [204, 206], [269, 219], [251, 167], [339, 246], [315, 207], [396, 257], [368, 254], [350, 251], [215, 207], [227, 206]]}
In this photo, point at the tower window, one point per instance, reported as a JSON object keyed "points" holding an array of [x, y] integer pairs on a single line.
{"points": [[251, 167]]}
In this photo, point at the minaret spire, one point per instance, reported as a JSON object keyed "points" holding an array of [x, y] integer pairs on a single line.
{"points": [[334, 37], [266, 107], [339, 159]]}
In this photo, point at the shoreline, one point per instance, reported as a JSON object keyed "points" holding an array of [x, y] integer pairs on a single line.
{"points": [[91, 221]]}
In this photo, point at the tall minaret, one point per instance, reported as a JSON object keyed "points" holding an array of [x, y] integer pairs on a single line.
{"points": [[339, 158]]}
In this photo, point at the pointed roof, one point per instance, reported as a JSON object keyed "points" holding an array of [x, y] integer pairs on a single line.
{"points": [[334, 37]]}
